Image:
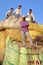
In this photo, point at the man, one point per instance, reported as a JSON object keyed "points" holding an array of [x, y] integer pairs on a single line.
{"points": [[30, 15], [17, 12], [9, 13]]}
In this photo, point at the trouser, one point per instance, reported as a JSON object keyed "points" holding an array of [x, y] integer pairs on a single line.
{"points": [[23, 38]]}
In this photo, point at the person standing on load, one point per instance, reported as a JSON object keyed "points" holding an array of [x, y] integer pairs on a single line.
{"points": [[31, 16], [24, 31], [9, 13], [17, 12]]}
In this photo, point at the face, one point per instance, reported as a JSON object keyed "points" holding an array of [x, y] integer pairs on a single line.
{"points": [[30, 11], [19, 7], [11, 10]]}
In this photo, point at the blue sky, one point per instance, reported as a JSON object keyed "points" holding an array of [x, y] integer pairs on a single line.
{"points": [[35, 5]]}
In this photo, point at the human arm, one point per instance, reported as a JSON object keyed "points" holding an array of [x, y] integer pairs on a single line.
{"points": [[20, 13], [33, 17], [8, 13], [14, 11]]}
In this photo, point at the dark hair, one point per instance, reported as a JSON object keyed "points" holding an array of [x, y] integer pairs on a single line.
{"points": [[30, 9], [23, 18], [19, 5], [11, 8]]}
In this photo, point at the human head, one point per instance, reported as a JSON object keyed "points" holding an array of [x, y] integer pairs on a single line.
{"points": [[11, 9], [19, 7], [30, 10], [23, 18]]}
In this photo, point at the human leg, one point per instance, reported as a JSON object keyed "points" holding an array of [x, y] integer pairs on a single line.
{"points": [[23, 38], [29, 38]]}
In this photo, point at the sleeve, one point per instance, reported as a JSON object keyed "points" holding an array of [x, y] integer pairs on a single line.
{"points": [[20, 13], [8, 13], [14, 11], [33, 17], [27, 14]]}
